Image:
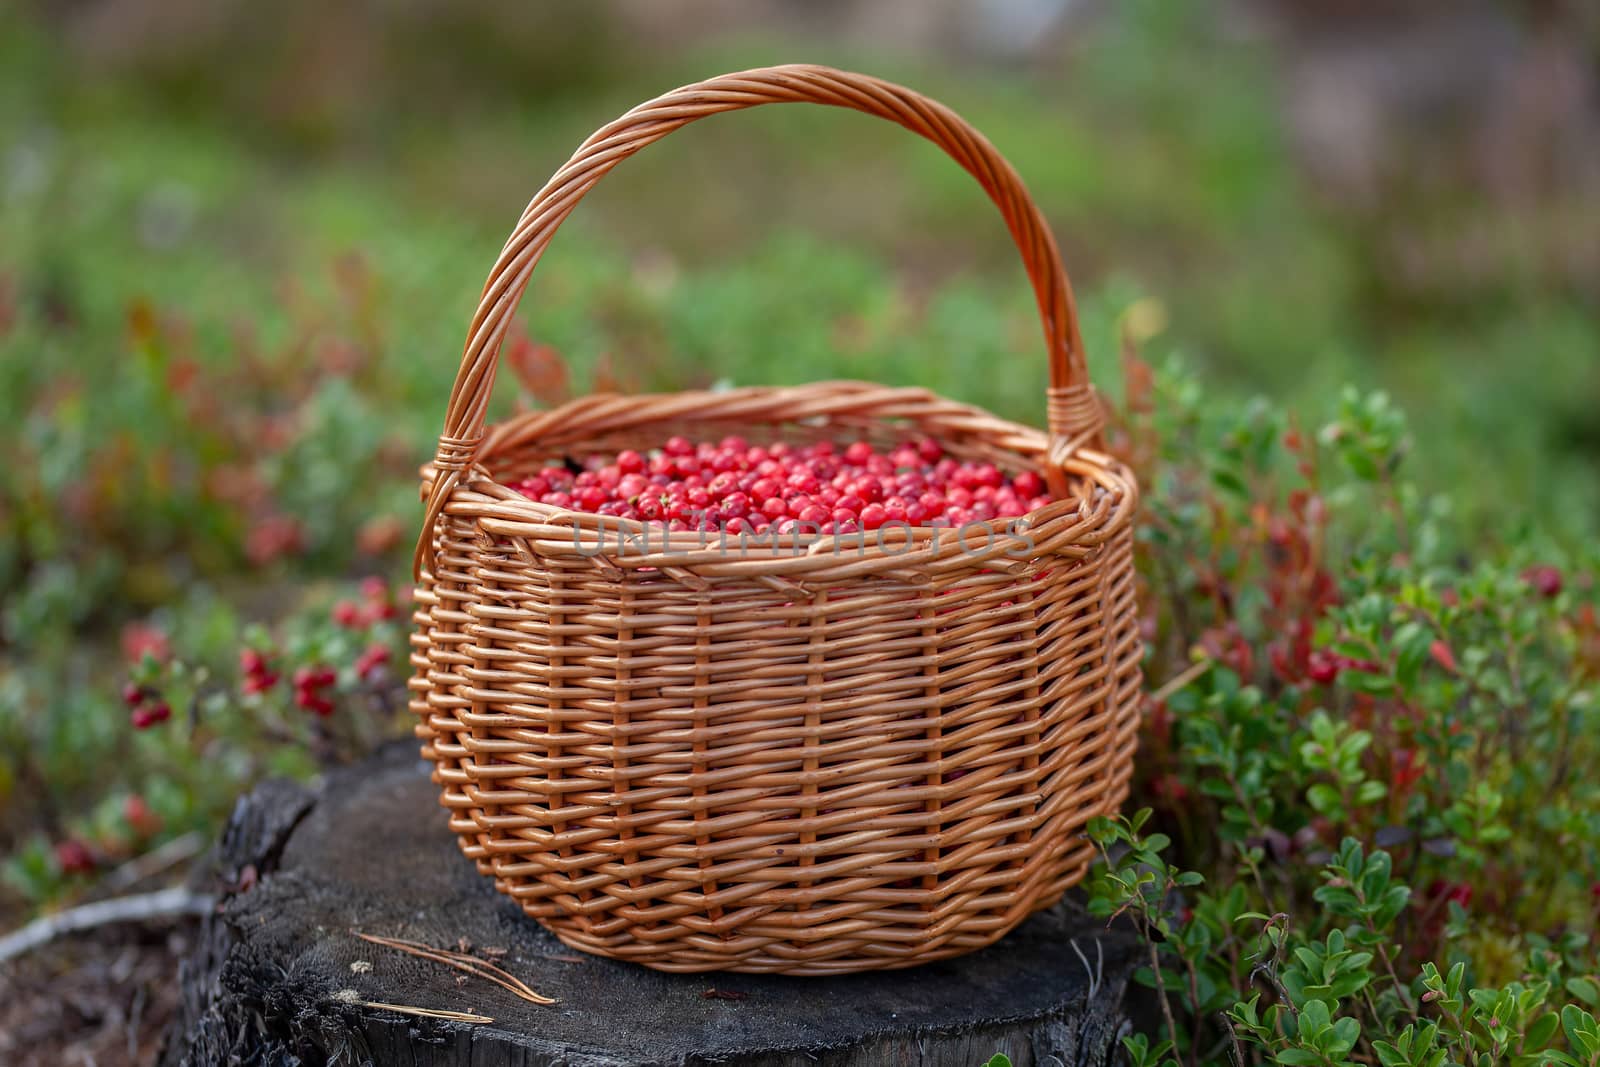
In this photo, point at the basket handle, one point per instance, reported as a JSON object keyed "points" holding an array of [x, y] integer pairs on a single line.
{"points": [[1074, 412]]}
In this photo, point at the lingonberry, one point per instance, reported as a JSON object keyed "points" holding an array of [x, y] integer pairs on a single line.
{"points": [[858, 453], [74, 857], [148, 715], [1545, 579], [137, 814], [368, 662], [1323, 667], [259, 682], [346, 613]]}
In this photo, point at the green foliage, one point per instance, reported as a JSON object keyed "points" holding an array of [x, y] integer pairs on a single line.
{"points": [[1366, 762]]}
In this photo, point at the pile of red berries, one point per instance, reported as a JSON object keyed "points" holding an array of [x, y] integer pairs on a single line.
{"points": [[744, 488], [145, 706]]}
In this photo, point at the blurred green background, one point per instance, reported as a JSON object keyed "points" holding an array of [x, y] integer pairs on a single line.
{"points": [[240, 243]]}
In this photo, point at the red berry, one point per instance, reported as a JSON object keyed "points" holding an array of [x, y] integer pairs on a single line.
{"points": [[930, 450], [678, 446], [137, 814], [804, 482], [142, 718], [1324, 667], [347, 614], [133, 694], [260, 682], [629, 461], [374, 657], [1545, 579], [874, 516], [1028, 484], [160, 711], [858, 453], [252, 662], [74, 857]]}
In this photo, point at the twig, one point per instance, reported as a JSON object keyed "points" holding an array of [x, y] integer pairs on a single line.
{"points": [[1189, 674], [1094, 973], [155, 861], [428, 1013], [143, 907], [461, 962]]}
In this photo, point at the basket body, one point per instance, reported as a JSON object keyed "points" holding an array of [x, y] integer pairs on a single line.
{"points": [[852, 754]]}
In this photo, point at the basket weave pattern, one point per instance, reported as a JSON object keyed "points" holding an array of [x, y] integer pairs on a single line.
{"points": [[809, 759]]}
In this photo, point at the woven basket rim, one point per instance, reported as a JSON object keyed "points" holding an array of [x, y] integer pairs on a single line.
{"points": [[1072, 527]]}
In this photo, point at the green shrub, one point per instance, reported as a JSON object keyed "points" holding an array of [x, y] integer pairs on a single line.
{"points": [[1371, 833]]}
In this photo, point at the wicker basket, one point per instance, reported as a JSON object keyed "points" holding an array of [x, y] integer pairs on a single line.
{"points": [[819, 759]]}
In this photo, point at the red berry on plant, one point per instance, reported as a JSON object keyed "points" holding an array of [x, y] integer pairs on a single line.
{"points": [[137, 814], [1323, 667], [371, 660], [1545, 579], [133, 694], [346, 613], [74, 857]]}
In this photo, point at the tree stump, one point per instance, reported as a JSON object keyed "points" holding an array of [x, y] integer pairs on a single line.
{"points": [[280, 978]]}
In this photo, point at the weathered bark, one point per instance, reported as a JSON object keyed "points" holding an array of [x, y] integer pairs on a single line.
{"points": [[280, 979]]}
